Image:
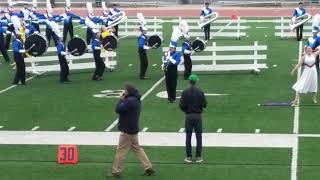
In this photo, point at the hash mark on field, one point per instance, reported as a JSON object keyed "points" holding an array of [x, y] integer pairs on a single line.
{"points": [[181, 130], [129, 65], [154, 65], [71, 128], [35, 128], [261, 27], [1, 127], [144, 129], [219, 130], [257, 131]]}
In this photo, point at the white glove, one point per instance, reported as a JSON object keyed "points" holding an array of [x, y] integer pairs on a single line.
{"points": [[162, 66], [146, 47], [173, 61]]}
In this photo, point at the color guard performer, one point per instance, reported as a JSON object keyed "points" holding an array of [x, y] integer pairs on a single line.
{"points": [[206, 11], [96, 50], [298, 12]]}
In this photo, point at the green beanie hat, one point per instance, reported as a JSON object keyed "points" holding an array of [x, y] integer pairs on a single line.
{"points": [[193, 77]]}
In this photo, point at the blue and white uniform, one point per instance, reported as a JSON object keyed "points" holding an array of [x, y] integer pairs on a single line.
{"points": [[142, 50], [186, 51], [64, 68], [100, 66], [18, 51], [298, 12]]}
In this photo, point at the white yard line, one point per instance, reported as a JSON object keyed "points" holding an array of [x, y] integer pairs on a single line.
{"points": [[219, 130], [181, 130], [35, 128], [123, 37], [115, 122], [10, 87], [261, 27], [148, 139], [72, 128], [295, 149]]}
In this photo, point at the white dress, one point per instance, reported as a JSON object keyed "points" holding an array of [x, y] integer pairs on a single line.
{"points": [[308, 81]]}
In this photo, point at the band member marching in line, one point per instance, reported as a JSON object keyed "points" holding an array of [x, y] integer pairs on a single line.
{"points": [[91, 22], [298, 12], [314, 43], [186, 51], [205, 12], [64, 67], [142, 46], [3, 49], [35, 16], [51, 25], [114, 11], [96, 49], [171, 60], [67, 18], [18, 56]]}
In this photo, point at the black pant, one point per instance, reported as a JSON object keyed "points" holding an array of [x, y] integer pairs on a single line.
{"points": [[116, 30], [67, 28], [49, 34], [207, 32], [3, 49], [8, 37], [143, 62], [89, 36], [100, 66], [64, 68], [20, 69], [36, 26], [171, 83], [299, 32], [187, 66], [193, 122]]}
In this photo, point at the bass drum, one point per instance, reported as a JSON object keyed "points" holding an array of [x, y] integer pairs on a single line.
{"points": [[77, 46], [154, 41], [39, 42], [110, 43], [198, 45]]}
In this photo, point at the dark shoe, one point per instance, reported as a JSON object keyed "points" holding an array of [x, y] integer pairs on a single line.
{"points": [[99, 78], [149, 172], [24, 83], [67, 81], [95, 78]]}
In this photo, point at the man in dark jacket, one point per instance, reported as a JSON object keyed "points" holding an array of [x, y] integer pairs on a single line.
{"points": [[128, 108], [192, 103]]}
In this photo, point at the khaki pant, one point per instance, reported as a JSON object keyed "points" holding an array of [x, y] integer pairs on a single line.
{"points": [[127, 142]]}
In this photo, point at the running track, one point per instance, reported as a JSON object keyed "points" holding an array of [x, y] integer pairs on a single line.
{"points": [[188, 11]]}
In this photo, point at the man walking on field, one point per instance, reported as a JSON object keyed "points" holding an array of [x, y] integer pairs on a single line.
{"points": [[128, 108]]}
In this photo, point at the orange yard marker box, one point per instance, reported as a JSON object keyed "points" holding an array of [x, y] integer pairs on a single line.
{"points": [[234, 17], [67, 154]]}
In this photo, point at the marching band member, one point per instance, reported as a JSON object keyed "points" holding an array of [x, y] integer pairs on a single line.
{"points": [[186, 51], [64, 68], [299, 11], [142, 50], [25, 13], [35, 16], [206, 11], [171, 60], [68, 25], [113, 12], [96, 49], [2, 44], [10, 29], [18, 56], [91, 22], [314, 43], [106, 31]]}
